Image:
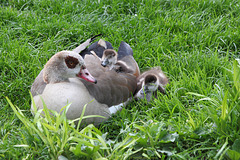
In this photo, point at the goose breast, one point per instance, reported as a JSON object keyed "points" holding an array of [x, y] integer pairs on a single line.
{"points": [[58, 95]]}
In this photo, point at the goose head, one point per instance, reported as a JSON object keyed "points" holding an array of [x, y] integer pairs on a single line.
{"points": [[64, 65], [148, 87], [109, 58], [149, 83]]}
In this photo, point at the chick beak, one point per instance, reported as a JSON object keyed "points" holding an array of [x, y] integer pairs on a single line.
{"points": [[105, 62]]}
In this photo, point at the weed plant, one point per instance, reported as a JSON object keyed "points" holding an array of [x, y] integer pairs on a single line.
{"points": [[196, 43]]}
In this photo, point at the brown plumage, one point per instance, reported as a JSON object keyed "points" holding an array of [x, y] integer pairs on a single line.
{"points": [[112, 88]]}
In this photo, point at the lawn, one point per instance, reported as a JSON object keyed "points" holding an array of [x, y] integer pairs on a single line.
{"points": [[196, 43]]}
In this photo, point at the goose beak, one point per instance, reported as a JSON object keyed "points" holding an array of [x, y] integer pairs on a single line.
{"points": [[84, 74], [105, 62]]}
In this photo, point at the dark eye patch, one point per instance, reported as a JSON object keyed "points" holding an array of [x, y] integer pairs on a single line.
{"points": [[71, 62]]}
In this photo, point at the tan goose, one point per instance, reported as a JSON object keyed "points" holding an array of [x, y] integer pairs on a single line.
{"points": [[59, 83], [149, 82]]}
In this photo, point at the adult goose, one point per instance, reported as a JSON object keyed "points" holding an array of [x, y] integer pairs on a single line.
{"points": [[59, 84], [149, 82]]}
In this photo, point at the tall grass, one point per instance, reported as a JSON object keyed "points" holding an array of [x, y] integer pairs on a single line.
{"points": [[196, 43]]}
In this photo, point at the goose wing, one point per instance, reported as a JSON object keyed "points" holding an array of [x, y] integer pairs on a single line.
{"points": [[112, 88]]}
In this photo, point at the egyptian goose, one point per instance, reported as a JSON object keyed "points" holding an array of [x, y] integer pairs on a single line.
{"points": [[149, 82], [59, 84]]}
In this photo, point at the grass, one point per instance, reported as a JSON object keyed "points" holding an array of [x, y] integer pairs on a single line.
{"points": [[195, 43]]}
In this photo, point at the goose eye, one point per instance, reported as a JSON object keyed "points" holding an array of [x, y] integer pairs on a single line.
{"points": [[71, 62]]}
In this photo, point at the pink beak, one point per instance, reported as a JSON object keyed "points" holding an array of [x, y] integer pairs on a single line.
{"points": [[84, 74]]}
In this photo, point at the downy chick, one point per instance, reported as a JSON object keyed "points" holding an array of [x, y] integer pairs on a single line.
{"points": [[109, 59], [149, 82]]}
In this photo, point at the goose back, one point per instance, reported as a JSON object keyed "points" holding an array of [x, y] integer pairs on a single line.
{"points": [[112, 88], [128, 65], [38, 85]]}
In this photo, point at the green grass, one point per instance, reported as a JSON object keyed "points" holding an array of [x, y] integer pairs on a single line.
{"points": [[195, 43]]}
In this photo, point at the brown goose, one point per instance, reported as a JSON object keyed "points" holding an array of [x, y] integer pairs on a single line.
{"points": [[149, 82], [58, 84]]}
